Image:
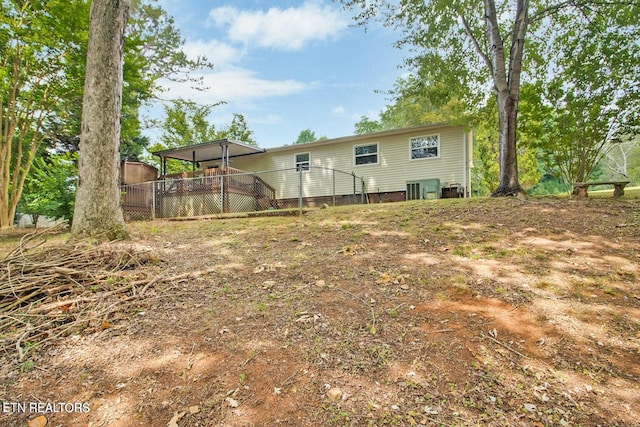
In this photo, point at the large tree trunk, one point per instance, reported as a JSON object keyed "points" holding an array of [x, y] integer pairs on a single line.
{"points": [[506, 81], [507, 121], [97, 208]]}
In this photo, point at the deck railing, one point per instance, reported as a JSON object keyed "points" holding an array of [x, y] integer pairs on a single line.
{"points": [[216, 191]]}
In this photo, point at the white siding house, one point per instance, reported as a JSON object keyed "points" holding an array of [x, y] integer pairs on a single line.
{"points": [[387, 161]]}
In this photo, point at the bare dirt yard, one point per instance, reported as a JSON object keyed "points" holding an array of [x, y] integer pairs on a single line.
{"points": [[441, 313]]}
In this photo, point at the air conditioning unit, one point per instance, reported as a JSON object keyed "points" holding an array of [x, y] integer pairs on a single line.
{"points": [[423, 189]]}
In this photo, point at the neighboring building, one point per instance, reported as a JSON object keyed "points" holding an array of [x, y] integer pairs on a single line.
{"points": [[26, 221]]}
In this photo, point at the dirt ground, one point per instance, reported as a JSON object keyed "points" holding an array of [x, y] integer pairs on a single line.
{"points": [[441, 313]]}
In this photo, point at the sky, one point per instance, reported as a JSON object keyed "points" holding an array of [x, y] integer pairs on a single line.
{"points": [[286, 66]]}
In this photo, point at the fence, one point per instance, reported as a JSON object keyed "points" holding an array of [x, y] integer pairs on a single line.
{"points": [[211, 192]]}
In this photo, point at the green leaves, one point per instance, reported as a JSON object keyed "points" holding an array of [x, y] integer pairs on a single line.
{"points": [[186, 123], [50, 187], [591, 98], [307, 135]]}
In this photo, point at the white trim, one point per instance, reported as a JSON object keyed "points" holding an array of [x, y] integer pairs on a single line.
{"points": [[377, 162], [425, 136], [296, 164], [465, 147]]}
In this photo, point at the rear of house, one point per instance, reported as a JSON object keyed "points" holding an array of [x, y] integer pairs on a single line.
{"points": [[421, 162], [430, 161]]}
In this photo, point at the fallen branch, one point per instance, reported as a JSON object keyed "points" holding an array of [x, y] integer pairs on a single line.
{"points": [[47, 292], [373, 313], [505, 346], [189, 275]]}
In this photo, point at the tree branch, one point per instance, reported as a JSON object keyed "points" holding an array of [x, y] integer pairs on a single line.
{"points": [[568, 3], [517, 47], [499, 75], [474, 41]]}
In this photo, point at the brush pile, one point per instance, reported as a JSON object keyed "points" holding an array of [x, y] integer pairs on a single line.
{"points": [[50, 292]]}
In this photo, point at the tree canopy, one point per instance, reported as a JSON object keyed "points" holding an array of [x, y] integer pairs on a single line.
{"points": [[463, 54], [43, 48], [186, 123], [307, 135]]}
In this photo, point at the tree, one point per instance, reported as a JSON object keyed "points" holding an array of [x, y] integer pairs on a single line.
{"points": [[616, 157], [590, 106], [42, 69], [186, 123], [634, 164], [97, 208], [367, 125], [416, 101], [307, 135], [238, 130], [152, 51], [445, 32], [50, 188], [41, 74]]}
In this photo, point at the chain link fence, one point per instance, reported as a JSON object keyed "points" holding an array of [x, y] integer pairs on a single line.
{"points": [[212, 192]]}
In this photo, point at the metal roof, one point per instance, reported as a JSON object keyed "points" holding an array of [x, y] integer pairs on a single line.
{"points": [[208, 151]]}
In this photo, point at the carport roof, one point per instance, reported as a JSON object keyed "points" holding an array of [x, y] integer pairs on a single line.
{"points": [[208, 151]]}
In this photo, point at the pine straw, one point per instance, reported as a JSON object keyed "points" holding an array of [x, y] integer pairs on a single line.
{"points": [[47, 292]]}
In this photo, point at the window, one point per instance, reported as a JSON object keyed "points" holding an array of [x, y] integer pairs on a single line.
{"points": [[365, 154], [424, 147], [302, 162]]}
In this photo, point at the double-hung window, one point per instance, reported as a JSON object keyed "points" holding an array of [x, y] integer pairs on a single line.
{"points": [[365, 154], [302, 162], [425, 147]]}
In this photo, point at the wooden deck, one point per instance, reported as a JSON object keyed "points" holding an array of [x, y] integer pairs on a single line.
{"points": [[215, 190]]}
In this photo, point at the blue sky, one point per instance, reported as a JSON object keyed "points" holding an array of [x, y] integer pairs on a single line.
{"points": [[287, 65]]}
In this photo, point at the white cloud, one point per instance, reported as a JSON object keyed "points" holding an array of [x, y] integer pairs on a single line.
{"points": [[216, 52], [269, 119], [234, 84], [285, 29], [339, 110]]}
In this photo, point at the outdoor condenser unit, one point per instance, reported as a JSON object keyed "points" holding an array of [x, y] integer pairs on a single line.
{"points": [[423, 189]]}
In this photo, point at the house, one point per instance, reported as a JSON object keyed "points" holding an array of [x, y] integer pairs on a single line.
{"points": [[429, 161]]}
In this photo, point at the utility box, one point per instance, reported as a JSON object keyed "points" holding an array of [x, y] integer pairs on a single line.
{"points": [[423, 189]]}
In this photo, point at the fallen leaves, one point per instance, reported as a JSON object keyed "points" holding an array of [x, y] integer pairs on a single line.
{"points": [[351, 250], [269, 267], [233, 403], [40, 421], [334, 394], [393, 279], [177, 416], [377, 316]]}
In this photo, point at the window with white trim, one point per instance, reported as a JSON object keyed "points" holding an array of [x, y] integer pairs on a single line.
{"points": [[302, 162], [425, 147], [365, 154]]}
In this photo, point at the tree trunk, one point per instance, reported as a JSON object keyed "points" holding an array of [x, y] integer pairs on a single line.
{"points": [[97, 209], [507, 121], [506, 82]]}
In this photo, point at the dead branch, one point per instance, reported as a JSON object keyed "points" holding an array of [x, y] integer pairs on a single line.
{"points": [[505, 346], [373, 313], [47, 292]]}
